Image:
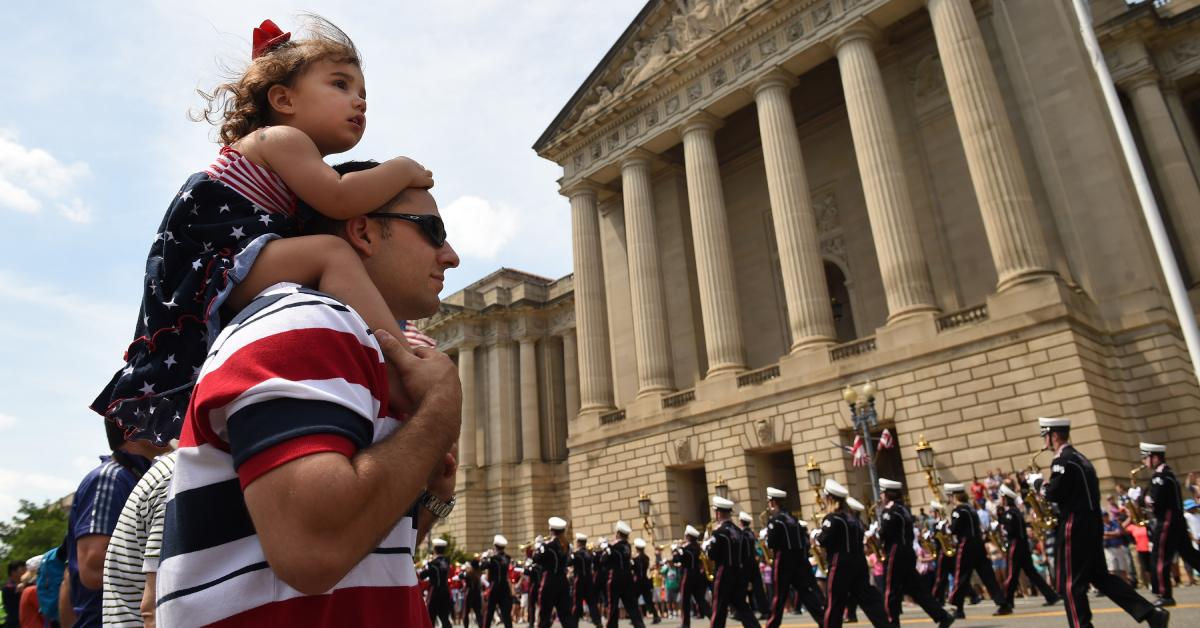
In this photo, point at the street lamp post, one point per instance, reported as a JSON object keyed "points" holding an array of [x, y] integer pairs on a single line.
{"points": [[925, 458], [721, 487], [644, 509], [815, 478], [865, 418]]}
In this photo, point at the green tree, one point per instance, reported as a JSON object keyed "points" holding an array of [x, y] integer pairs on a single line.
{"points": [[33, 531]]}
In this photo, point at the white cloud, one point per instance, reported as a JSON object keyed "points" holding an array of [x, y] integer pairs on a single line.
{"points": [[35, 487], [97, 315], [479, 228], [32, 177], [7, 421]]}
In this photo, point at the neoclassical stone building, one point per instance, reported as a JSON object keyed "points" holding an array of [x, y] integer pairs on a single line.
{"points": [[771, 200]]}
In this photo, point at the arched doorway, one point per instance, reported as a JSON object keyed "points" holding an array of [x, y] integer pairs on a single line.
{"points": [[839, 300]]}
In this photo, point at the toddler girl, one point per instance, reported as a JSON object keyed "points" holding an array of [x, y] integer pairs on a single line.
{"points": [[225, 236]]}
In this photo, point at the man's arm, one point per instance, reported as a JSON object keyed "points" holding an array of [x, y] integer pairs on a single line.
{"points": [[90, 550], [66, 612], [148, 599], [319, 515]]}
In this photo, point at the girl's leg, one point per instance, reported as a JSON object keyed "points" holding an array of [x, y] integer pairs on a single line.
{"points": [[322, 262]]}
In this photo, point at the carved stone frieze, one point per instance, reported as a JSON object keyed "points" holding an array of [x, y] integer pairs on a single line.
{"points": [[834, 247], [826, 210]]}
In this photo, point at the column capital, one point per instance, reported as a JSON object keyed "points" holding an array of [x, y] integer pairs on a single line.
{"points": [[861, 28], [582, 187], [639, 156], [701, 120], [775, 77], [1138, 76], [468, 344]]}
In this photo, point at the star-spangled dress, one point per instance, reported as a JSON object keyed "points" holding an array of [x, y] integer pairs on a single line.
{"points": [[213, 231]]}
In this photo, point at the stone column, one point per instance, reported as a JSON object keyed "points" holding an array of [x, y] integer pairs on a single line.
{"points": [[591, 315], [889, 207], [714, 257], [645, 277], [810, 315], [570, 374], [505, 429], [467, 451], [1169, 161], [1014, 234], [531, 434]]}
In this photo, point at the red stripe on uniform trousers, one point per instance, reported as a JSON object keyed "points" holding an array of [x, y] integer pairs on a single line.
{"points": [[832, 574], [282, 355], [1070, 579], [887, 594]]}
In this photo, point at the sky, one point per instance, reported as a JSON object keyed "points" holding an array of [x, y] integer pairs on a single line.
{"points": [[95, 140]]}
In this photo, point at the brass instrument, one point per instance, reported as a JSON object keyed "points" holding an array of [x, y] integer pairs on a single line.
{"points": [[938, 532], [1046, 521], [1136, 516], [814, 548], [871, 544], [943, 537], [709, 569], [764, 517]]}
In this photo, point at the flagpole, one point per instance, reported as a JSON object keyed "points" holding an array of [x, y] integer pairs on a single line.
{"points": [[1137, 170]]}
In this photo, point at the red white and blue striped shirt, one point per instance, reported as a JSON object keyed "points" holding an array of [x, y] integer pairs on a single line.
{"points": [[295, 373]]}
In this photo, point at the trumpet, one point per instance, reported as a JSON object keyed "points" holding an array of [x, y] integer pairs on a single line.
{"points": [[1135, 512]]}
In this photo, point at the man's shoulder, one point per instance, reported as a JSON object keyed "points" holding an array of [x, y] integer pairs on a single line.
{"points": [[286, 306]]}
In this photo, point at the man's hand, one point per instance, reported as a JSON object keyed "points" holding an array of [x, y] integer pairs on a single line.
{"points": [[443, 479], [429, 381]]}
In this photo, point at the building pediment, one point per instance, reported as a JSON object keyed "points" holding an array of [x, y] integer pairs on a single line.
{"points": [[662, 37]]}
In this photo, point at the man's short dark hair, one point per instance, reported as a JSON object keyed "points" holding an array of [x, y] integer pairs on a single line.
{"points": [[15, 565], [318, 223], [116, 435]]}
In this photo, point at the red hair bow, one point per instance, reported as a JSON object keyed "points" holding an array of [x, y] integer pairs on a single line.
{"points": [[266, 37]]}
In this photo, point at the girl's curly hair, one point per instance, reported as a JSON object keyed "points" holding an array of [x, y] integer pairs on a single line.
{"points": [[240, 106]]}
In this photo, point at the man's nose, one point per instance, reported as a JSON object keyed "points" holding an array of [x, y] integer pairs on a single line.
{"points": [[448, 256]]}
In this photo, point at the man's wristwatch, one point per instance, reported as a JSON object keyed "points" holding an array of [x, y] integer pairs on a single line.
{"points": [[439, 508]]}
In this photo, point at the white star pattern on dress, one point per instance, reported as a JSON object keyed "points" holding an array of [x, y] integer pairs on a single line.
{"points": [[127, 371], [237, 233], [170, 237], [170, 304], [265, 219], [196, 264], [146, 321], [208, 247], [224, 208], [170, 361], [185, 195], [147, 388]]}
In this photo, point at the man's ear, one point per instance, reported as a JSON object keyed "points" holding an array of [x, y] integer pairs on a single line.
{"points": [[359, 235], [279, 99]]}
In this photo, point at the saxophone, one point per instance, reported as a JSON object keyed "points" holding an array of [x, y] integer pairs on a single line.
{"points": [[1046, 521], [709, 569], [872, 542], [1135, 512], [814, 548], [943, 537]]}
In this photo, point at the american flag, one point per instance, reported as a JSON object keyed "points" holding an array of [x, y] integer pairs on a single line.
{"points": [[886, 440], [415, 337], [859, 452]]}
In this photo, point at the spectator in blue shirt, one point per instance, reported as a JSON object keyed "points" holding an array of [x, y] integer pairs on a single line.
{"points": [[94, 513], [49, 580]]}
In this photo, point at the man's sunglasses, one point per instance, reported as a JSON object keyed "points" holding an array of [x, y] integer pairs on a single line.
{"points": [[432, 225]]}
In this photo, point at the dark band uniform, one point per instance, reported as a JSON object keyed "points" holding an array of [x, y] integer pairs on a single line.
{"points": [[499, 593], [1171, 530], [787, 539], [900, 570], [758, 595], [842, 537], [641, 583], [620, 584], [437, 572], [473, 594], [1079, 539], [945, 562], [1019, 557], [970, 556], [733, 554], [553, 594], [693, 582], [583, 589]]}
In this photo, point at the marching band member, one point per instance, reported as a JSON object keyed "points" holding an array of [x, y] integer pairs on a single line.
{"points": [[1019, 557], [583, 566], [1171, 531], [1079, 537], [499, 593], [900, 572], [733, 554], [970, 555], [693, 583], [553, 593], [841, 535], [787, 538], [437, 572], [642, 587], [620, 579]]}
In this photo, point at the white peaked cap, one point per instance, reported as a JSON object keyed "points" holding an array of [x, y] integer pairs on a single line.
{"points": [[1151, 448], [538, 540], [1007, 492], [774, 493], [951, 488], [557, 523], [833, 488], [1033, 478], [579, 536], [692, 532], [935, 505], [886, 484], [720, 503], [439, 542], [1045, 424], [855, 504], [639, 543], [622, 527], [499, 540], [745, 517], [762, 534]]}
